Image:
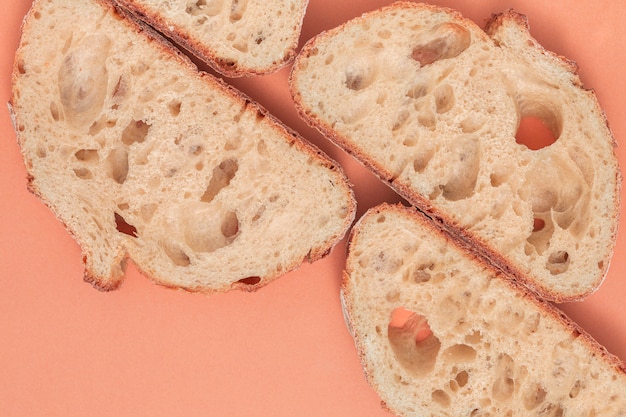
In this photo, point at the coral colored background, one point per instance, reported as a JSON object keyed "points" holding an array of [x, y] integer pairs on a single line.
{"points": [[143, 350]]}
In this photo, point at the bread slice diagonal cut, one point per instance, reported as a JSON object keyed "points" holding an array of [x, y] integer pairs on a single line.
{"points": [[432, 104], [143, 157], [440, 332], [235, 37]]}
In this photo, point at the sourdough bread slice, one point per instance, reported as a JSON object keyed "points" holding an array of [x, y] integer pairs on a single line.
{"points": [[441, 333], [143, 157], [235, 37], [432, 104]]}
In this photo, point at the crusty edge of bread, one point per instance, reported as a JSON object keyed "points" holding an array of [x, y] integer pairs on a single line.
{"points": [[223, 66], [289, 135], [467, 239], [546, 308]]}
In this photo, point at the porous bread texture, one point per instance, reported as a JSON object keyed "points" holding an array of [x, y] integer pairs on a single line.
{"points": [[441, 333], [432, 104], [235, 37], [143, 157]]}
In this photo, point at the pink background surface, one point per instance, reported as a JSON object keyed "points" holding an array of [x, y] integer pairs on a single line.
{"points": [[69, 350]]}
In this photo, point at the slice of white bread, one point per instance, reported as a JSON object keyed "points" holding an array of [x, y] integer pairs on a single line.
{"points": [[432, 104], [143, 157], [441, 333], [235, 37]]}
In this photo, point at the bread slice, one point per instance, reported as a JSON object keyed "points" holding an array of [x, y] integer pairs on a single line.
{"points": [[431, 103], [235, 37], [143, 157], [441, 333]]}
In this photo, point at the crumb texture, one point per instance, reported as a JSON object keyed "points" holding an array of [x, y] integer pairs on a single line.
{"points": [[237, 37], [141, 156], [436, 106], [441, 334]]}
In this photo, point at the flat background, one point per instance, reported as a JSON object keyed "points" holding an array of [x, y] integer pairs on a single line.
{"points": [[143, 350]]}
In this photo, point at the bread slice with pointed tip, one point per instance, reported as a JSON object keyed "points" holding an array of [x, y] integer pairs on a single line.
{"points": [[142, 156], [432, 104], [441, 332]]}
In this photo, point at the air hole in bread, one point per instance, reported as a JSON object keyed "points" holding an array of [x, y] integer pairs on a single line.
{"points": [[359, 74], [83, 79], [123, 226], [87, 155], [538, 224], [504, 384], [392, 296], [237, 9], [462, 378], [464, 167], [249, 281], [21, 66], [558, 262], [384, 34], [176, 254], [418, 90], [423, 156], [448, 40], [221, 178], [401, 119], [259, 213], [553, 410], [196, 150], [575, 390], [209, 228], [55, 111], [83, 173], [534, 396], [101, 123], [412, 341], [441, 397], [474, 338], [135, 132], [117, 164], [241, 46], [460, 353], [208, 7], [422, 273], [471, 124], [444, 98], [230, 225], [534, 134], [261, 148], [174, 107], [410, 142], [120, 91], [500, 176]]}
